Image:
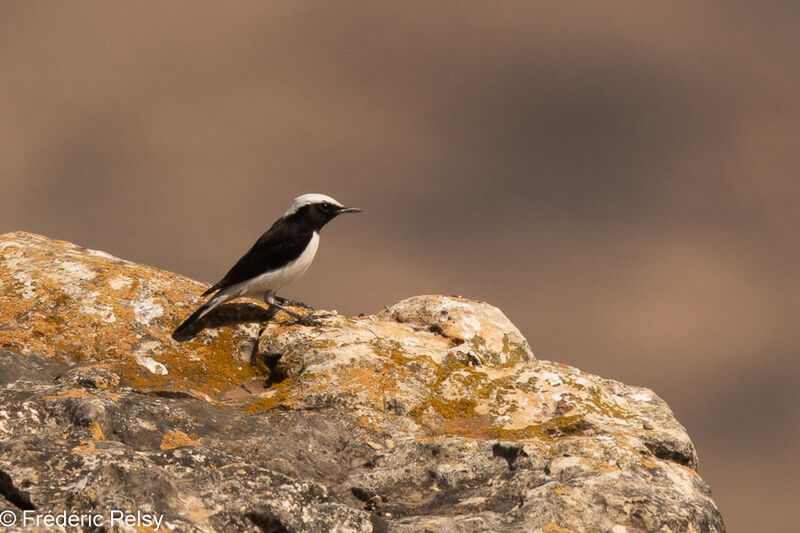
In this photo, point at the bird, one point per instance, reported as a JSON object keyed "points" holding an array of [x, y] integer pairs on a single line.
{"points": [[280, 256]]}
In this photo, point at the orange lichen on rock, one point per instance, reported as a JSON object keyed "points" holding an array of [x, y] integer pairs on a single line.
{"points": [[73, 304], [178, 439], [96, 431], [86, 448]]}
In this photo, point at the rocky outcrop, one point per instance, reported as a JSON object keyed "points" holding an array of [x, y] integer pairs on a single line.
{"points": [[432, 415]]}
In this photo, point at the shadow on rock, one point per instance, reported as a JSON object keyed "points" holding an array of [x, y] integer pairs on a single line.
{"points": [[227, 315]]}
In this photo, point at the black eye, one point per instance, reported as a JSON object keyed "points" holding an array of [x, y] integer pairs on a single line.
{"points": [[327, 207]]}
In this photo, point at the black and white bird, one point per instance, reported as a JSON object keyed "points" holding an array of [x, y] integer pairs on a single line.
{"points": [[281, 256]]}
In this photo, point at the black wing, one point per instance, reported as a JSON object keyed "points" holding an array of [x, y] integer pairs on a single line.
{"points": [[281, 244]]}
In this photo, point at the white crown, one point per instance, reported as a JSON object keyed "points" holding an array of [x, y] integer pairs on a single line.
{"points": [[308, 199]]}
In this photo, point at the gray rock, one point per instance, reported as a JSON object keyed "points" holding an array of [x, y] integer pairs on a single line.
{"points": [[432, 415]]}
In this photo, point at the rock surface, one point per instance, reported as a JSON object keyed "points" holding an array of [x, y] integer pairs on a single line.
{"points": [[432, 415]]}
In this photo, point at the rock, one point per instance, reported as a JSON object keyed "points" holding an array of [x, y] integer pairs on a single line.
{"points": [[432, 415]]}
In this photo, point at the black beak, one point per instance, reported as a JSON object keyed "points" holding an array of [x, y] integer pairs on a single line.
{"points": [[349, 210]]}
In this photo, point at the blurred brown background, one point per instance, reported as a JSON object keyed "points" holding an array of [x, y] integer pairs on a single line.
{"points": [[620, 178]]}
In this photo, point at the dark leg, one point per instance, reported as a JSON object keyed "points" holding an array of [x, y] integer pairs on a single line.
{"points": [[270, 299], [277, 303]]}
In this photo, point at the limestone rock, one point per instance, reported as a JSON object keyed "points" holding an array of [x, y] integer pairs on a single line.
{"points": [[432, 415]]}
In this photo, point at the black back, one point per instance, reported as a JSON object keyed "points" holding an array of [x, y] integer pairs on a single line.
{"points": [[281, 244]]}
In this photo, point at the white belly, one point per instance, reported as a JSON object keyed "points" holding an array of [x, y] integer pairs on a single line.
{"points": [[272, 281]]}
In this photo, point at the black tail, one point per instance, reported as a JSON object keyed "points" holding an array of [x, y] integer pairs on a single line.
{"points": [[190, 327]]}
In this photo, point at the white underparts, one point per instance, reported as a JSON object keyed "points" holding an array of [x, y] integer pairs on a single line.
{"points": [[273, 280]]}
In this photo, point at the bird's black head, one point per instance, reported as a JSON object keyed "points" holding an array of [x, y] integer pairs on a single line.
{"points": [[316, 210]]}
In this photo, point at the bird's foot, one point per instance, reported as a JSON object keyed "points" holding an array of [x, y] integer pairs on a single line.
{"points": [[309, 320], [294, 303]]}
